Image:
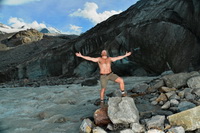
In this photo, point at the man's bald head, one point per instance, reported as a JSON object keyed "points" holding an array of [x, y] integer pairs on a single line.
{"points": [[104, 53]]}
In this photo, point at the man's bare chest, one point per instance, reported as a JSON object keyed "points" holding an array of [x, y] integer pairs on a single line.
{"points": [[104, 61]]}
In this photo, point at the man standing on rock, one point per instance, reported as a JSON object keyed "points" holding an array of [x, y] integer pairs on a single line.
{"points": [[106, 73]]}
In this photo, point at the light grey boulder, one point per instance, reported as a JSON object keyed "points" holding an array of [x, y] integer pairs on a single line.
{"points": [[189, 96], [178, 129], [156, 122], [154, 131], [175, 96], [161, 103], [185, 105], [98, 130], [137, 128], [122, 110], [156, 85], [140, 88], [86, 126], [194, 82], [197, 92], [154, 102], [174, 102], [127, 131], [178, 80], [169, 94], [186, 90], [167, 89], [166, 105], [181, 94], [110, 127]]}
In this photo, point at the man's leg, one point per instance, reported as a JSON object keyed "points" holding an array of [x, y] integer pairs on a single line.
{"points": [[102, 94], [103, 81], [121, 84]]}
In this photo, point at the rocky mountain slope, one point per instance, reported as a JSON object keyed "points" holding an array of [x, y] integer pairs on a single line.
{"points": [[13, 56], [166, 35]]}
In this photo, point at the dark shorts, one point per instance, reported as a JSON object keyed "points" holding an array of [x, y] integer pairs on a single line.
{"points": [[104, 79]]}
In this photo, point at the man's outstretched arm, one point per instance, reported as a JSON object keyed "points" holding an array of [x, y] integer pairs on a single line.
{"points": [[120, 57], [87, 57]]}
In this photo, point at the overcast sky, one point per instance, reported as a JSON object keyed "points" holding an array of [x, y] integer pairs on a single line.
{"points": [[68, 16]]}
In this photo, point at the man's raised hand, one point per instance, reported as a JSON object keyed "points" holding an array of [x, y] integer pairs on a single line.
{"points": [[128, 53], [79, 54]]}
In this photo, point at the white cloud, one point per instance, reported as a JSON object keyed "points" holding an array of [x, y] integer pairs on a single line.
{"points": [[75, 28], [16, 2], [90, 12]]}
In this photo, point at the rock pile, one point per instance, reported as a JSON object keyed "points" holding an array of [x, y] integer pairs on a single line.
{"points": [[169, 104]]}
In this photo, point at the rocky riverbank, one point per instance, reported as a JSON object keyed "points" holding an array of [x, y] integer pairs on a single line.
{"points": [[63, 108], [167, 104]]}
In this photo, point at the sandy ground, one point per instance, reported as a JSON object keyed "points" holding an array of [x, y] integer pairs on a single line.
{"points": [[52, 109]]}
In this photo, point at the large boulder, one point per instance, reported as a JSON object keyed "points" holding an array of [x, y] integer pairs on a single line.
{"points": [[185, 105], [178, 80], [190, 119], [178, 129], [122, 110], [156, 122], [101, 117], [194, 82]]}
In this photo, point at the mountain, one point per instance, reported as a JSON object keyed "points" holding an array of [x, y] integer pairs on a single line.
{"points": [[162, 35], [4, 26], [45, 30], [50, 30], [7, 29]]}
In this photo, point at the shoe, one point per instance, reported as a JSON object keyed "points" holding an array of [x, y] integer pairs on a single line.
{"points": [[102, 103], [124, 94]]}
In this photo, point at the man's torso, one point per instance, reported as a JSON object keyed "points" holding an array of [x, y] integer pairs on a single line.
{"points": [[105, 65]]}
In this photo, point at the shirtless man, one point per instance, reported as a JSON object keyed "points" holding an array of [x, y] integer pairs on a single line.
{"points": [[106, 73]]}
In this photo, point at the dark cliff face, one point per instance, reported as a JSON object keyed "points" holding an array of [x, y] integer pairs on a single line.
{"points": [[167, 33], [161, 35]]}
